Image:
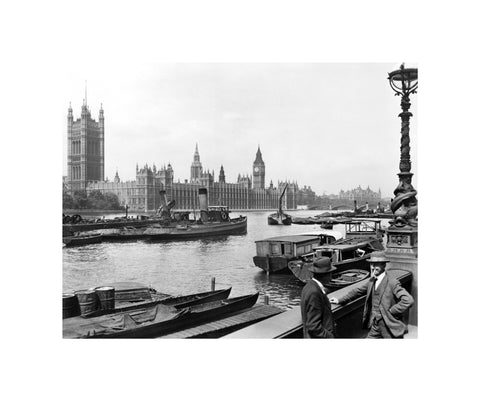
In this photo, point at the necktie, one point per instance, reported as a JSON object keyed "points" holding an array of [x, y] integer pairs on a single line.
{"points": [[374, 281]]}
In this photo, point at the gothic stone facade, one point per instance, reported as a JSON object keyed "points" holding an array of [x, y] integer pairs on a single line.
{"points": [[86, 156], [142, 195], [86, 164]]}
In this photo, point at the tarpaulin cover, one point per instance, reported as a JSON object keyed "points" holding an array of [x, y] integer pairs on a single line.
{"points": [[78, 327]]}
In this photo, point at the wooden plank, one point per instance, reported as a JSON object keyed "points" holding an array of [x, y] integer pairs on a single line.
{"points": [[216, 328]]}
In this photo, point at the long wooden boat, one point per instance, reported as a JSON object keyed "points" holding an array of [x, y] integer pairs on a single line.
{"points": [[79, 240], [196, 230], [157, 320], [345, 254], [101, 224], [178, 302], [273, 254]]}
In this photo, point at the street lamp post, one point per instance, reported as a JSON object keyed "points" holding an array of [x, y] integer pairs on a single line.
{"points": [[402, 234], [404, 82]]}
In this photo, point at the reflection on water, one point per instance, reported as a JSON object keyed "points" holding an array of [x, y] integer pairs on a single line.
{"points": [[188, 266]]}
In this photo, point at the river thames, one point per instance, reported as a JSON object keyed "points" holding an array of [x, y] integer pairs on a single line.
{"points": [[183, 267]]}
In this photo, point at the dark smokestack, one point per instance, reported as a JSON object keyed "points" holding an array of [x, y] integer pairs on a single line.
{"points": [[163, 198], [203, 200]]}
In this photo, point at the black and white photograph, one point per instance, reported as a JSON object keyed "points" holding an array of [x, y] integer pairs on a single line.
{"points": [[257, 198], [244, 201]]}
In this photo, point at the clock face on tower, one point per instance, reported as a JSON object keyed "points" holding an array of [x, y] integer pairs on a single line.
{"points": [[256, 169]]}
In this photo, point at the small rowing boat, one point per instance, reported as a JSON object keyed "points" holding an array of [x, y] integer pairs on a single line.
{"points": [[346, 278]]}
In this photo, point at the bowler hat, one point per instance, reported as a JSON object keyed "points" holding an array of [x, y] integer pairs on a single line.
{"points": [[378, 256], [322, 265]]}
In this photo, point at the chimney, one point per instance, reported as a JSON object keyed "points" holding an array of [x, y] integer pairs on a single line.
{"points": [[203, 200], [163, 198]]}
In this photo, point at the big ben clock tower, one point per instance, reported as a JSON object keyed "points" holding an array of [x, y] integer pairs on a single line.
{"points": [[259, 171]]}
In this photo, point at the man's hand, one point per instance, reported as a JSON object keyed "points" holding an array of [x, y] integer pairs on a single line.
{"points": [[334, 300]]}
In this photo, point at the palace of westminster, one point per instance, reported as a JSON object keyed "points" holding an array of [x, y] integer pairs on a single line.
{"points": [[86, 171]]}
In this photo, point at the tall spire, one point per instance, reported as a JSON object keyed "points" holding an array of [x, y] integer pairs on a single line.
{"points": [[196, 156], [258, 157], [85, 92]]}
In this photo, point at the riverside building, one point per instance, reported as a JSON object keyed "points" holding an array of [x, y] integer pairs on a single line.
{"points": [[246, 194], [86, 160], [86, 155]]}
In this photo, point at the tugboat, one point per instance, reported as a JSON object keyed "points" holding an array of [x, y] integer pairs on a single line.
{"points": [[213, 221], [279, 217]]}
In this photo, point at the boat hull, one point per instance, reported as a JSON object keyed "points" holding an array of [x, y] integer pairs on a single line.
{"points": [[272, 264], [283, 219], [196, 231], [123, 234], [82, 240]]}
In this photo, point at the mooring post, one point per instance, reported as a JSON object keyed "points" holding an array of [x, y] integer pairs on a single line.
{"points": [[213, 283], [266, 299]]}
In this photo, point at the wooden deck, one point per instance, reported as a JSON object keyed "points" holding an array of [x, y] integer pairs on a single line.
{"points": [[221, 327], [289, 324]]}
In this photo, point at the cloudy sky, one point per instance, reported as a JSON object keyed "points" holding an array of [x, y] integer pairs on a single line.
{"points": [[328, 126]]}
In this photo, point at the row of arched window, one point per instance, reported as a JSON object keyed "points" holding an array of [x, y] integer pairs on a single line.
{"points": [[76, 147], [93, 147], [76, 172]]}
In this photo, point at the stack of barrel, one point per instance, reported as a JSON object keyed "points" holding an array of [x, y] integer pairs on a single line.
{"points": [[85, 302]]}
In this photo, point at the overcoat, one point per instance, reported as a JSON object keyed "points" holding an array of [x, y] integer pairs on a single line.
{"points": [[394, 302], [316, 312]]}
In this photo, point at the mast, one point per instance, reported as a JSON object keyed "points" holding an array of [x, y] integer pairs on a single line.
{"points": [[280, 200]]}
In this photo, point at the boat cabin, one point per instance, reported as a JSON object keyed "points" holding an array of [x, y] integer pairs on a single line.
{"points": [[288, 246], [346, 250], [363, 228], [218, 213], [325, 236]]}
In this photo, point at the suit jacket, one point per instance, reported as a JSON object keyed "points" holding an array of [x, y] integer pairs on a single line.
{"points": [[316, 312], [394, 301]]}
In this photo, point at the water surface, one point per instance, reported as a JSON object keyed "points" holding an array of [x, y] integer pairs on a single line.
{"points": [[184, 267]]}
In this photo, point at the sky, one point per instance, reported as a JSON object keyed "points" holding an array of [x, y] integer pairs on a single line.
{"points": [[330, 126]]}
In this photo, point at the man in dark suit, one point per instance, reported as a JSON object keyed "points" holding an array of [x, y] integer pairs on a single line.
{"points": [[386, 301], [316, 310]]}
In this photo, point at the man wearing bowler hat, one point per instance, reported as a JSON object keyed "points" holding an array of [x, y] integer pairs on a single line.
{"points": [[316, 310], [386, 301]]}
